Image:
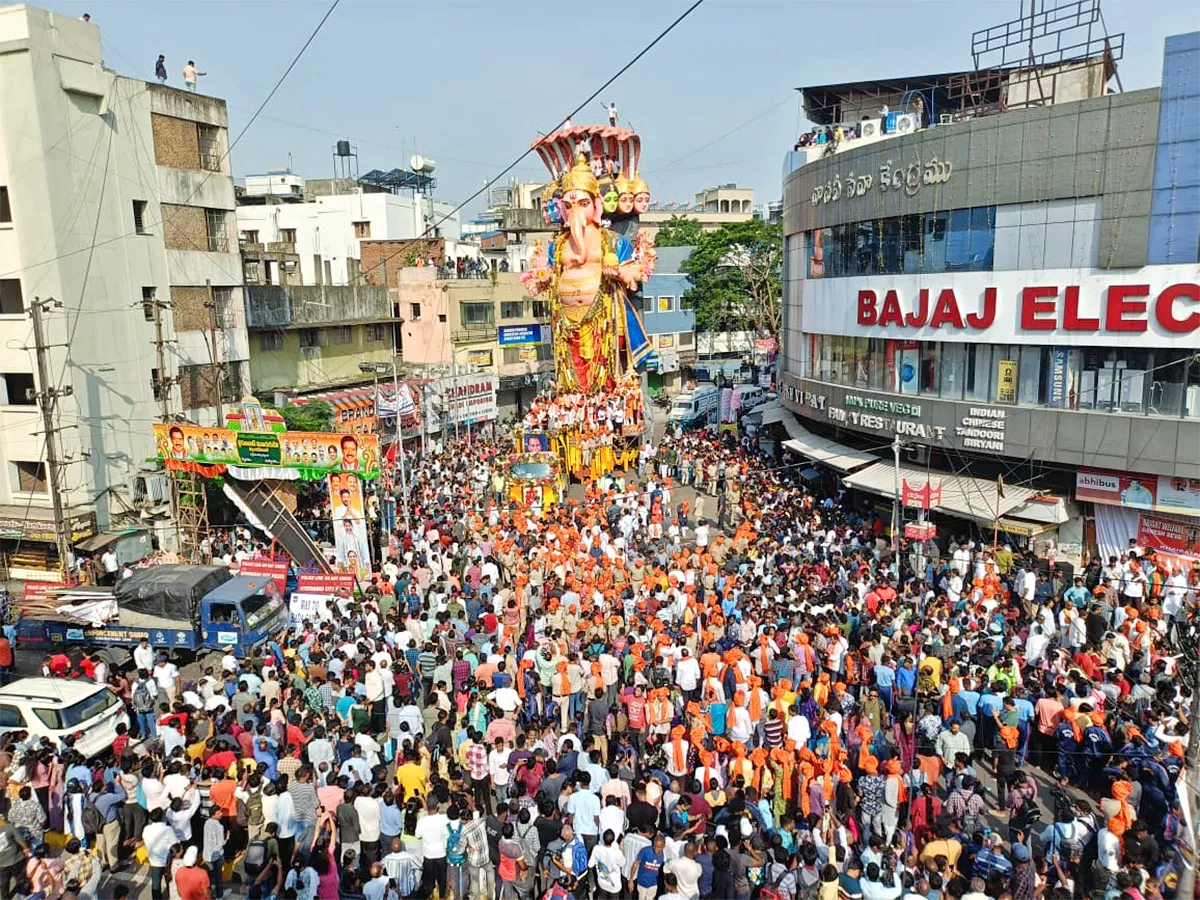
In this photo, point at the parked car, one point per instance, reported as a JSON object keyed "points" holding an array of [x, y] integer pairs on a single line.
{"points": [[57, 708]]}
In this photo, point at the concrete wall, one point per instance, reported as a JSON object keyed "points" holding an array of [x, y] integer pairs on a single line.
{"points": [[425, 340], [306, 369]]}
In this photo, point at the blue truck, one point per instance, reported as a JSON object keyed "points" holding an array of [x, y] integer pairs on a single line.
{"points": [[185, 610]]}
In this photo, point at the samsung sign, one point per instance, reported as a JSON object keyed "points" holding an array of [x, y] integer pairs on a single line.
{"points": [[517, 335]]}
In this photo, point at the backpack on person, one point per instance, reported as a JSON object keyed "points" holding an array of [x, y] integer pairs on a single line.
{"points": [[91, 818], [456, 851], [579, 857], [770, 890], [255, 858], [143, 698], [254, 810]]}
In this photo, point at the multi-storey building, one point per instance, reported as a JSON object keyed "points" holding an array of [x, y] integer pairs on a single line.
{"points": [[1012, 289], [115, 201]]}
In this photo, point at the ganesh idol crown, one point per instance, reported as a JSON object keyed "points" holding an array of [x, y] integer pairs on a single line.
{"points": [[593, 268]]}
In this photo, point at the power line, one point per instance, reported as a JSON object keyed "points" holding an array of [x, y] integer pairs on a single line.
{"points": [[282, 78], [432, 229], [719, 138]]}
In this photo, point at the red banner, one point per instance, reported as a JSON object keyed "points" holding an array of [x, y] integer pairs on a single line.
{"points": [[275, 569], [324, 584], [927, 496], [1172, 536], [37, 591]]}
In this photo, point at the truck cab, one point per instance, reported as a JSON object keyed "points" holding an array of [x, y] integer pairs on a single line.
{"points": [[242, 613], [695, 407]]}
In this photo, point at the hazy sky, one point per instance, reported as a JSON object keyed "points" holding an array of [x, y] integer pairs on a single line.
{"points": [[471, 83]]}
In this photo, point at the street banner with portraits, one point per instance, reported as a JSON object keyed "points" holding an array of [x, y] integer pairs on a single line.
{"points": [[349, 524]]}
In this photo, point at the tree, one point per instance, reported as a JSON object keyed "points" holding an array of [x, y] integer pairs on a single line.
{"points": [[737, 282], [316, 415], [678, 231]]}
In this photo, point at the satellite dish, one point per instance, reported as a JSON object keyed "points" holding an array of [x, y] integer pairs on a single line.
{"points": [[420, 164]]}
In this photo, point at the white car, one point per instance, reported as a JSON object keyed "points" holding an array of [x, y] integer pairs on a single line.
{"points": [[57, 708]]}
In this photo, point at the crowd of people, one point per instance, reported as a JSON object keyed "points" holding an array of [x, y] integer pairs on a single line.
{"points": [[624, 698]]}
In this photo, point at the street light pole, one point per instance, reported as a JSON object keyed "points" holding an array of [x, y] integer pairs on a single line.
{"points": [[400, 445]]}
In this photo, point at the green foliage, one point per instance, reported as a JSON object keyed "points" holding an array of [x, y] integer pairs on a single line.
{"points": [[316, 415], [678, 231], [737, 282]]}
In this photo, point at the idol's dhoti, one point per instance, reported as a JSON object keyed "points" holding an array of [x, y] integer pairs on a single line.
{"points": [[585, 351]]}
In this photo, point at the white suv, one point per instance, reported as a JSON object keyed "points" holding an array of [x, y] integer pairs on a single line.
{"points": [[57, 708]]}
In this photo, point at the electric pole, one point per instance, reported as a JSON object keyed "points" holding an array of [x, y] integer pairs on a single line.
{"points": [[164, 381], [897, 516], [48, 400], [1187, 632], [214, 366]]}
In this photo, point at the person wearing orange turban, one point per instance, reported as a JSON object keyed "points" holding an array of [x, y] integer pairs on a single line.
{"points": [[820, 691], [954, 687], [740, 766], [707, 773], [865, 736], [677, 753], [1123, 820]]}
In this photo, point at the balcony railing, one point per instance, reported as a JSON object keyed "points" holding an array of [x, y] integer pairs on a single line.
{"points": [[472, 334], [285, 306]]}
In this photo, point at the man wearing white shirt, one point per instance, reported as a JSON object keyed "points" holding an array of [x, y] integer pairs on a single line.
{"points": [[506, 699], [687, 674], [143, 655], [799, 730]]}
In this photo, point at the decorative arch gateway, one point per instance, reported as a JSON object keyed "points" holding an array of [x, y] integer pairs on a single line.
{"points": [[592, 273]]}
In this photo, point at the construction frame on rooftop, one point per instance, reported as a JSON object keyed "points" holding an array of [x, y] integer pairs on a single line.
{"points": [[1018, 64]]}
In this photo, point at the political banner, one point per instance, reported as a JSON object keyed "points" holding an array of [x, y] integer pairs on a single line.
{"points": [[210, 450], [349, 524]]}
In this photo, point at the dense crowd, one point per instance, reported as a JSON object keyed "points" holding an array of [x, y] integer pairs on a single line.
{"points": [[624, 698]]}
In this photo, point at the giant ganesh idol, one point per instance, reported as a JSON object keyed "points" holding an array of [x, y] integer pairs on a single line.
{"points": [[589, 271]]}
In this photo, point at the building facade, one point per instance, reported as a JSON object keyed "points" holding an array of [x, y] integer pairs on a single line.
{"points": [[326, 221], [1013, 294], [116, 201], [671, 327], [476, 325]]}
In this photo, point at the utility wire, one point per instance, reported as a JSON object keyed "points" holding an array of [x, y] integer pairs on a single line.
{"points": [[732, 131], [432, 229]]}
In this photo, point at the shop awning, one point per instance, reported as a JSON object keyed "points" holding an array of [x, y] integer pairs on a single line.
{"points": [[968, 498], [821, 450]]}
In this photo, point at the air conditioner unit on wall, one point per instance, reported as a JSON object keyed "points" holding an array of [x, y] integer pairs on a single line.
{"points": [[917, 454], [906, 123], [869, 128]]}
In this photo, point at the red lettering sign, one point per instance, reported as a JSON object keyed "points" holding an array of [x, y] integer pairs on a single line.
{"points": [[1165, 313], [275, 569], [1121, 302], [1126, 309], [1036, 304]]}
